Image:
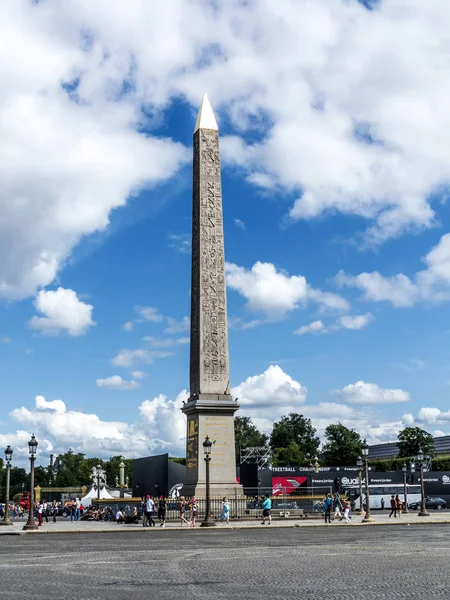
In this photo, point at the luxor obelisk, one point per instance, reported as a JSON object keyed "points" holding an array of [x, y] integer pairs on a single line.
{"points": [[210, 408]]}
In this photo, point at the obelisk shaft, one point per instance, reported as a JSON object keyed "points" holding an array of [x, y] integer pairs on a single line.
{"points": [[209, 366]]}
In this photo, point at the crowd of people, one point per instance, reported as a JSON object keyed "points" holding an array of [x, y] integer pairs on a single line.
{"points": [[337, 508]]}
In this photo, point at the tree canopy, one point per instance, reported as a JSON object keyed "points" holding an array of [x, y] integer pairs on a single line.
{"points": [[293, 437], [411, 439], [342, 446]]}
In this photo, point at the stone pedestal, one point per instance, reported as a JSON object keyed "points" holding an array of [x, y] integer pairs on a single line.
{"points": [[211, 415]]}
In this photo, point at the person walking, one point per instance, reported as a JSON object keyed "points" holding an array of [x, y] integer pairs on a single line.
{"points": [[393, 507], [398, 505], [54, 511], [72, 508], [183, 505], [77, 508], [327, 508], [149, 510], [44, 510], [382, 503], [225, 515], [267, 507], [40, 510], [162, 509], [194, 511], [346, 511], [337, 506]]}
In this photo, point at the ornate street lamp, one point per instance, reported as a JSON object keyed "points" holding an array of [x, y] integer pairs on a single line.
{"points": [[8, 455], [360, 463], [207, 521], [365, 452], [32, 447], [98, 470], [316, 464], [405, 490], [421, 459]]}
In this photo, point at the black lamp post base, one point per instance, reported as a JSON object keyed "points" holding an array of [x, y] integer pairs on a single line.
{"points": [[424, 513], [207, 523], [6, 522], [29, 526], [368, 519]]}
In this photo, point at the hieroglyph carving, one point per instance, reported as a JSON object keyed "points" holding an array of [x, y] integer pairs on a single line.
{"points": [[209, 371]]}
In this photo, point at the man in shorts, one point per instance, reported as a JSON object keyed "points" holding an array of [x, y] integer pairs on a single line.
{"points": [[266, 508]]}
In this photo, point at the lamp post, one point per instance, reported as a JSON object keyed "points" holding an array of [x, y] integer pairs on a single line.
{"points": [[32, 447], [8, 456], [98, 472], [405, 491], [365, 452], [207, 521], [359, 462], [423, 511]]}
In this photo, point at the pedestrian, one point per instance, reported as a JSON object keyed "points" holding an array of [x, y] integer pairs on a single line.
{"points": [[162, 509], [398, 505], [393, 507], [346, 511], [267, 507], [40, 510], [144, 514], [44, 510], [382, 503], [77, 508], [193, 506], [327, 508], [337, 506], [54, 511], [183, 519], [73, 509], [225, 516], [119, 516], [149, 510]]}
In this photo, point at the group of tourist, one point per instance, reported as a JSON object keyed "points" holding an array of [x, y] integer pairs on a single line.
{"points": [[336, 507]]}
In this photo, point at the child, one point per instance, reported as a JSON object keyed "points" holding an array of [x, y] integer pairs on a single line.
{"points": [[225, 516]]}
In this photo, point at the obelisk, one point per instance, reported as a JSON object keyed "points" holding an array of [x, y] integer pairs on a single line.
{"points": [[210, 408]]}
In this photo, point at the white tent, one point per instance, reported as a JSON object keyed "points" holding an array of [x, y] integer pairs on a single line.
{"points": [[93, 495]]}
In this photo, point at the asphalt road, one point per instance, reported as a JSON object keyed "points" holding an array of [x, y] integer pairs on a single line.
{"points": [[361, 563]]}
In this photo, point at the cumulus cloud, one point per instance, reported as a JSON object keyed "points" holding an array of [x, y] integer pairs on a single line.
{"points": [[174, 326], [314, 327], [274, 292], [115, 382], [344, 322], [63, 312], [149, 313], [138, 374], [428, 415], [371, 393], [128, 326], [428, 285], [239, 224], [165, 342]]}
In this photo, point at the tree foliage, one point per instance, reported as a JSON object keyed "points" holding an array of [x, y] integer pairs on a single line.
{"points": [[342, 446], [293, 438], [247, 435], [413, 439]]}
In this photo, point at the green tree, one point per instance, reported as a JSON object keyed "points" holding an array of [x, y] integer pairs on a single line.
{"points": [[294, 429], [289, 456], [342, 446], [411, 439], [247, 435]]}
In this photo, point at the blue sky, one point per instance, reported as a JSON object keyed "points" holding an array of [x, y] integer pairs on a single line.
{"points": [[335, 157]]}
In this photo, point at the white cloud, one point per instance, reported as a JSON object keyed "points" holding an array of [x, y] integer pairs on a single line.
{"points": [[174, 326], [181, 242], [138, 374], [57, 406], [115, 382], [428, 415], [370, 393], [429, 285], [70, 150], [149, 313], [274, 292], [129, 358], [239, 224], [354, 322], [5, 339], [128, 326], [314, 327], [63, 312], [344, 322]]}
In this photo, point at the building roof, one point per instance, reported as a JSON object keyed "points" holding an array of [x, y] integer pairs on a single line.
{"points": [[390, 450]]}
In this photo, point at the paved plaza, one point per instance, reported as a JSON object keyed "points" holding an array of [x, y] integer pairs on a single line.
{"points": [[335, 563]]}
